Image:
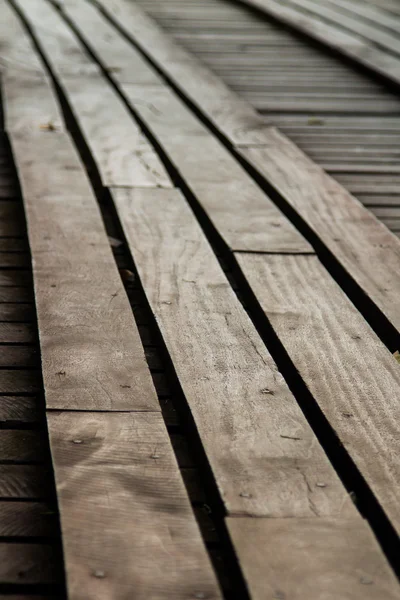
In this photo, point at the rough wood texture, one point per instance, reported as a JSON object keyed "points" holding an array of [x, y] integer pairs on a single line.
{"points": [[312, 558], [352, 376], [26, 482], [265, 457], [365, 247], [92, 357], [27, 519], [120, 150], [353, 45], [234, 116], [29, 563], [118, 481], [244, 216], [21, 446]]}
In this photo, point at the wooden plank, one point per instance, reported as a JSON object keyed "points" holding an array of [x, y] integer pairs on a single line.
{"points": [[19, 409], [25, 482], [235, 116], [17, 333], [19, 356], [339, 558], [78, 288], [153, 544], [351, 45], [242, 213], [325, 337], [23, 75], [29, 564], [27, 519], [22, 446], [235, 393], [121, 151], [366, 249]]}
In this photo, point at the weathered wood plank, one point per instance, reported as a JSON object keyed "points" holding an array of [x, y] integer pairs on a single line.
{"points": [[352, 45], [29, 563], [22, 76], [27, 519], [92, 357], [245, 217], [22, 446], [153, 545], [365, 247], [265, 457], [339, 558], [121, 151], [352, 376], [24, 482], [224, 108]]}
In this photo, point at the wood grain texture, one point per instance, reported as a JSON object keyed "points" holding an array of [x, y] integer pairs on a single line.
{"points": [[123, 62], [352, 376], [22, 446], [365, 247], [26, 482], [117, 480], [32, 156], [120, 150], [244, 216], [311, 558], [27, 519], [353, 45], [264, 456], [236, 118], [19, 409], [29, 564], [92, 357]]}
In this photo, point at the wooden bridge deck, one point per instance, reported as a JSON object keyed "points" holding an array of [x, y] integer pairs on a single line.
{"points": [[217, 313]]}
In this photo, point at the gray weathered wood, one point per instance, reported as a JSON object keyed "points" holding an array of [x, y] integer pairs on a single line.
{"points": [[311, 558], [365, 247], [116, 475], [352, 376], [265, 458], [121, 151], [225, 109], [92, 357], [350, 44]]}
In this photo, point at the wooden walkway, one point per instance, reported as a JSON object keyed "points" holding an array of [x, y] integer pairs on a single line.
{"points": [[217, 315]]}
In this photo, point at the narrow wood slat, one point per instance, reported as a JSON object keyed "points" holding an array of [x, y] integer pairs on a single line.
{"points": [[29, 564], [352, 376], [25, 482], [122, 152], [22, 446], [117, 474], [27, 519], [239, 119], [19, 356], [23, 76], [19, 409], [240, 402], [339, 558], [92, 356], [366, 249], [245, 217]]}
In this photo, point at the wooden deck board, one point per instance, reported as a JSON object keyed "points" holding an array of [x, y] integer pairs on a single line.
{"points": [[339, 555], [352, 376], [118, 481]]}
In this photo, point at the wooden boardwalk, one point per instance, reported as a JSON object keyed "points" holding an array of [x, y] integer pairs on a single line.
{"points": [[217, 314]]}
